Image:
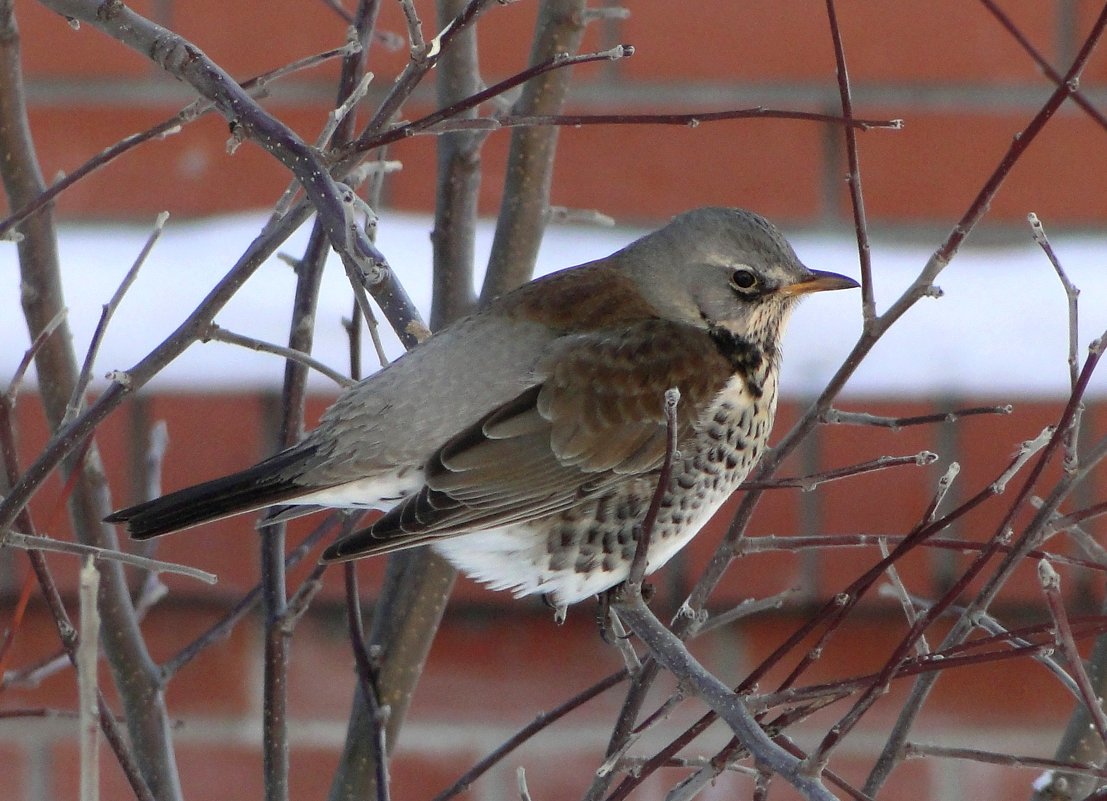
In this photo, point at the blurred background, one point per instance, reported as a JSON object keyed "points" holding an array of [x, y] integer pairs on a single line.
{"points": [[963, 86]]}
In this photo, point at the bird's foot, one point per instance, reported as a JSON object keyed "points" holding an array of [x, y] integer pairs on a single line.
{"points": [[560, 610], [611, 597]]}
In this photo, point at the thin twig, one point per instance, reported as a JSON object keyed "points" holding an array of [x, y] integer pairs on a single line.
{"points": [[896, 423], [416, 69], [1072, 293], [1051, 589], [1080, 516], [414, 29], [220, 334], [76, 400], [692, 119], [188, 114], [899, 591], [540, 723], [853, 177], [989, 624], [28, 542], [639, 563], [16, 382], [810, 482], [1087, 106], [748, 608], [324, 140], [668, 650], [87, 684], [222, 628], [368, 675], [1026, 542], [523, 213], [922, 751], [1072, 297]]}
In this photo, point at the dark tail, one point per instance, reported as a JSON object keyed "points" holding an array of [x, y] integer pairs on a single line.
{"points": [[264, 484]]}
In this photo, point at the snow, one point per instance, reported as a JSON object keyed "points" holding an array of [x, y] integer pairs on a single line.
{"points": [[998, 332]]}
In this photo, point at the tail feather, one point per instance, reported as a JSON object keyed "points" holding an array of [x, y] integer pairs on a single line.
{"points": [[265, 484]]}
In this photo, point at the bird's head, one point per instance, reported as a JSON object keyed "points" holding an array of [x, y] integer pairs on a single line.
{"points": [[727, 268]]}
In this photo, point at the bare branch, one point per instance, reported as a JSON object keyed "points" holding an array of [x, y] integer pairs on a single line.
{"points": [[853, 177], [76, 400], [521, 221], [163, 129], [29, 542], [669, 651], [808, 483], [645, 531], [16, 382], [541, 722], [87, 684], [220, 334], [1072, 296], [921, 750], [1051, 589], [837, 416], [1087, 106], [182, 59], [414, 30]]}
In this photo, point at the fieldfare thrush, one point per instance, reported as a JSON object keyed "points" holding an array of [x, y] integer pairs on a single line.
{"points": [[524, 442]]}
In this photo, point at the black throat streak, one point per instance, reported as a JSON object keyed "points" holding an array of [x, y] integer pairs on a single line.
{"points": [[745, 357]]}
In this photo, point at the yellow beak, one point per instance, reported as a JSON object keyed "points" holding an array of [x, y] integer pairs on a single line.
{"points": [[819, 281]]}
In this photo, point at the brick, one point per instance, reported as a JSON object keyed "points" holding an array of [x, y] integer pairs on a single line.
{"points": [[209, 436], [935, 166], [635, 172], [505, 37], [1086, 12], [984, 455], [16, 767], [49, 512], [889, 501], [913, 43], [321, 671], [245, 42], [65, 775], [727, 41], [790, 41], [218, 679], [54, 50], [982, 780], [413, 187], [176, 173], [651, 172], [908, 780], [34, 643], [473, 652], [222, 680], [209, 763], [423, 774]]}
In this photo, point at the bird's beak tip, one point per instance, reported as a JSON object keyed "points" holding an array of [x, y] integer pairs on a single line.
{"points": [[821, 281]]}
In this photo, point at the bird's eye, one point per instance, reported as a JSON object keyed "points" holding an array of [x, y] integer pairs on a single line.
{"points": [[743, 279]]}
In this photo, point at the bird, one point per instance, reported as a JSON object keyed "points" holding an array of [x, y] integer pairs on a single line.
{"points": [[525, 442]]}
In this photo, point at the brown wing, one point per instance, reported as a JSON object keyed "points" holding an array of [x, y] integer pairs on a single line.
{"points": [[595, 418]]}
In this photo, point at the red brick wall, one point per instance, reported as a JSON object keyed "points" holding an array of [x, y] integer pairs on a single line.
{"points": [[961, 83], [497, 663], [963, 87]]}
